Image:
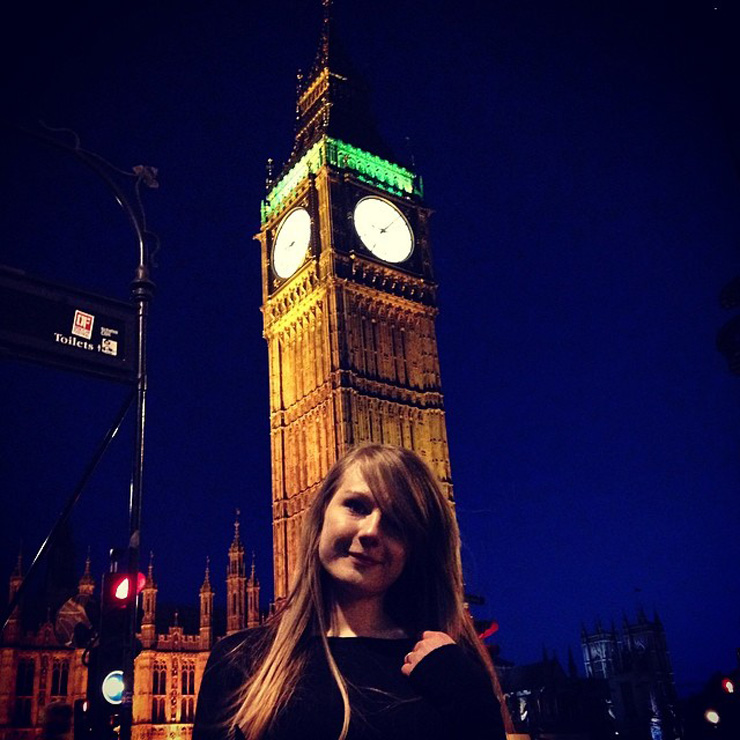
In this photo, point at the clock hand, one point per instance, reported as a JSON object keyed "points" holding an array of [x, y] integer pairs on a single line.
{"points": [[388, 225]]}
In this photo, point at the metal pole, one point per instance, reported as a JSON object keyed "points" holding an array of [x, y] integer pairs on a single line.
{"points": [[142, 291]]}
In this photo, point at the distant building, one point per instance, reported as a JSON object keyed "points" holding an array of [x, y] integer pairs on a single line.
{"points": [[546, 703], [42, 672], [636, 665]]}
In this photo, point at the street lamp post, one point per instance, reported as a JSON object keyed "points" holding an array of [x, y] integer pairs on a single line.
{"points": [[142, 292]]}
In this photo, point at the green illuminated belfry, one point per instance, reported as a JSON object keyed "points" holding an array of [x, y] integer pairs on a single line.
{"points": [[349, 298], [335, 125]]}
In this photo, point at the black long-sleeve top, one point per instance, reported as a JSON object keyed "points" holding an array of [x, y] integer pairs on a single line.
{"points": [[448, 695]]}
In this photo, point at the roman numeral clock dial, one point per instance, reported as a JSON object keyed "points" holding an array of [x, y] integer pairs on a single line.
{"points": [[383, 229]]}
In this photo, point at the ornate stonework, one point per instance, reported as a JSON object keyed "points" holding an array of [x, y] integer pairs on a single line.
{"points": [[351, 340]]}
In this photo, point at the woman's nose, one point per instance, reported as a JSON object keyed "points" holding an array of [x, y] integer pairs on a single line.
{"points": [[370, 526]]}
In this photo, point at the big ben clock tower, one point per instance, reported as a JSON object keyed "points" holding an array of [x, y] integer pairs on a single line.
{"points": [[349, 299]]}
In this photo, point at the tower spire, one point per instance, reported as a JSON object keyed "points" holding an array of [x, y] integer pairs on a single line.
{"points": [[333, 99], [236, 583], [206, 609], [237, 540], [86, 584], [207, 577], [325, 43], [149, 601]]}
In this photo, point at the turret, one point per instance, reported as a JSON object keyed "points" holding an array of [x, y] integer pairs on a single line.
{"points": [[600, 652], [206, 610], [236, 583], [149, 604], [253, 599]]}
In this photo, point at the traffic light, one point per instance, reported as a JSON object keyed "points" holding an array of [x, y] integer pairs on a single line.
{"points": [[105, 679], [722, 712]]}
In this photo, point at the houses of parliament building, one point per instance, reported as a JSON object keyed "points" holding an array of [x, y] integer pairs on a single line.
{"points": [[42, 670]]}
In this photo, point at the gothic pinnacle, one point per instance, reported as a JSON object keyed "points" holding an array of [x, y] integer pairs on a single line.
{"points": [[236, 526], [207, 578]]}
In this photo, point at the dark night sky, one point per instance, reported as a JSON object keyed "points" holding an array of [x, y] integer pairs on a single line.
{"points": [[586, 218]]}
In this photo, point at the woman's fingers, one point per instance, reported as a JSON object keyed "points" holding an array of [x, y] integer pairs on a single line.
{"points": [[429, 641]]}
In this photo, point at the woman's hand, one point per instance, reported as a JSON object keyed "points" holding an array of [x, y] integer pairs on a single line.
{"points": [[429, 641]]}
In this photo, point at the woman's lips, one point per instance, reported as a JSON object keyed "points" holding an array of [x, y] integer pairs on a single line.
{"points": [[364, 559]]}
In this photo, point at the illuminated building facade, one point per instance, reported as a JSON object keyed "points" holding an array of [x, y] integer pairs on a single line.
{"points": [[349, 299], [40, 675]]}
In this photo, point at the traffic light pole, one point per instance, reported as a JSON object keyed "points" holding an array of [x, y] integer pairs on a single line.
{"points": [[142, 292]]}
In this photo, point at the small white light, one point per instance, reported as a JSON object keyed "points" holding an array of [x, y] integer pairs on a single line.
{"points": [[113, 687], [711, 716]]}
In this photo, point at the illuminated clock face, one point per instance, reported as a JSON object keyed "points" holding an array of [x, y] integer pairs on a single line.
{"points": [[291, 243], [383, 229]]}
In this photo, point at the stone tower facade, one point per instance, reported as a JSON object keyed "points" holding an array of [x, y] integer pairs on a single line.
{"points": [[349, 299]]}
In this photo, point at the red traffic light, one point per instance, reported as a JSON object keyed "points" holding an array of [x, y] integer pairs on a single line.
{"points": [[121, 588], [117, 589], [728, 686]]}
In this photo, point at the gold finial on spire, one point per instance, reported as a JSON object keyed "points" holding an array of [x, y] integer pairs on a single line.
{"points": [[236, 545], [87, 578], [325, 30]]}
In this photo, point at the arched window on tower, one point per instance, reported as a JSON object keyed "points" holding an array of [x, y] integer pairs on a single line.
{"points": [[23, 692], [187, 703], [187, 713], [369, 347], [159, 688], [59, 677]]}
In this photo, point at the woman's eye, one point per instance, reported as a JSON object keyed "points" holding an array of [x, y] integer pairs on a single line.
{"points": [[356, 506]]}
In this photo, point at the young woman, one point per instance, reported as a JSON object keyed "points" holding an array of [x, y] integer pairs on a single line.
{"points": [[373, 640]]}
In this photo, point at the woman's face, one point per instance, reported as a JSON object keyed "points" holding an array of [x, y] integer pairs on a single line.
{"points": [[359, 550]]}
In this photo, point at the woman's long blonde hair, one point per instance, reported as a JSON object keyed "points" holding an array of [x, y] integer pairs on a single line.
{"points": [[427, 596]]}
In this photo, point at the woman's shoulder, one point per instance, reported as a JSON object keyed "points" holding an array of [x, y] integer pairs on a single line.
{"points": [[229, 666], [238, 648]]}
